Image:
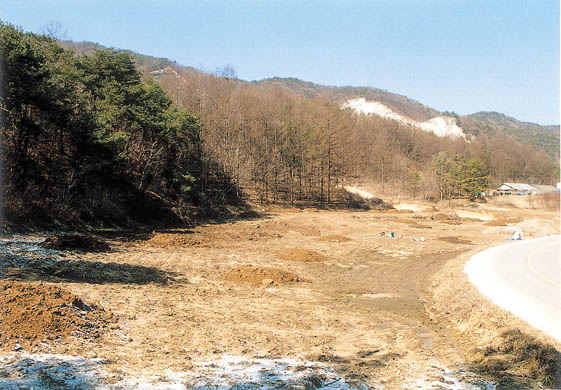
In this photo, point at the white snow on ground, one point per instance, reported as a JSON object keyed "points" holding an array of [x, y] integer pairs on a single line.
{"points": [[442, 126], [62, 372], [49, 372], [231, 372], [505, 295], [358, 191], [20, 252]]}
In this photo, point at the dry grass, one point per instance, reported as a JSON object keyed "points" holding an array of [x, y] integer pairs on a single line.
{"points": [[546, 201], [515, 353]]}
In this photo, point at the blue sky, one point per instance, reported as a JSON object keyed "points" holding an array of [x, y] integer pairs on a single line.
{"points": [[460, 55]]}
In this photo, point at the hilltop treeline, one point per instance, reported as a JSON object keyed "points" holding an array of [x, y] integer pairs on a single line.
{"points": [[85, 140], [289, 147]]}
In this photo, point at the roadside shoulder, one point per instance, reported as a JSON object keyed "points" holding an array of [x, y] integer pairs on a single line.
{"points": [[497, 343]]}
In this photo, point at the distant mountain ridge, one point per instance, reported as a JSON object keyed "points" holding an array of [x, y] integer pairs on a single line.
{"points": [[543, 137], [546, 138], [398, 103]]}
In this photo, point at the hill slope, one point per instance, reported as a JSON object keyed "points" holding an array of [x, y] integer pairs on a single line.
{"points": [[489, 123], [542, 137], [398, 103], [545, 138]]}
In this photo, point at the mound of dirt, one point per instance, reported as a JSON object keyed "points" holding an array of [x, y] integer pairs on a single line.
{"points": [[259, 276], [502, 221], [445, 217], [455, 240], [298, 254], [335, 238], [181, 240], [76, 242], [416, 225], [35, 313]]}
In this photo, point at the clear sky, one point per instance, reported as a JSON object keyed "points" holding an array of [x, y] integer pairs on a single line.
{"points": [[457, 55]]}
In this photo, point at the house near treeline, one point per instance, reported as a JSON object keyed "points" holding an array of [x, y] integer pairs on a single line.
{"points": [[524, 189]]}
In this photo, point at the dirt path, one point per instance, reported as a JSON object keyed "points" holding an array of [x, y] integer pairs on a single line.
{"points": [[320, 287]]}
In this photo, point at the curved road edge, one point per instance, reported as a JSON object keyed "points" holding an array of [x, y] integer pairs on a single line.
{"points": [[504, 274]]}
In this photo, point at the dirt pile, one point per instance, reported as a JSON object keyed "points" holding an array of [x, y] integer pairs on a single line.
{"points": [[502, 221], [35, 313], [451, 216], [76, 242], [259, 276], [182, 240], [298, 254]]}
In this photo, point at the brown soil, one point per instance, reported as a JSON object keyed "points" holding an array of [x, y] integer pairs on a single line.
{"points": [[335, 238], [35, 313], [452, 222], [180, 240], [445, 217], [76, 242], [259, 276], [454, 240], [417, 225], [298, 254], [502, 221], [394, 313]]}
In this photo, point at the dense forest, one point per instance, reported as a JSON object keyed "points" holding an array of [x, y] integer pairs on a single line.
{"points": [[107, 137], [85, 140]]}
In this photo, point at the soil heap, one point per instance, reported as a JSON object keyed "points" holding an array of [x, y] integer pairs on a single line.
{"points": [[260, 276], [34, 313]]}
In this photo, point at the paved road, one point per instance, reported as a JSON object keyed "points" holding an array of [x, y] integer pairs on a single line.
{"points": [[523, 277]]}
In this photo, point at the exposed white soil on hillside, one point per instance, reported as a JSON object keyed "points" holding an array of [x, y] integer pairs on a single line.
{"points": [[359, 191], [442, 126]]}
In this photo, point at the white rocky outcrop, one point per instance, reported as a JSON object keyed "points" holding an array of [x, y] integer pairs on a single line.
{"points": [[442, 126]]}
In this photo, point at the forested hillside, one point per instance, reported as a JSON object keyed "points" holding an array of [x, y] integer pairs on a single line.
{"points": [[542, 137], [85, 140], [102, 136], [286, 146]]}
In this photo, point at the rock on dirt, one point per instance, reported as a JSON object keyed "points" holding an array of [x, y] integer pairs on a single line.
{"points": [[35, 313], [76, 242]]}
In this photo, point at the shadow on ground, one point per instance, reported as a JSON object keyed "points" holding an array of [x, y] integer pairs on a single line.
{"points": [[93, 272]]}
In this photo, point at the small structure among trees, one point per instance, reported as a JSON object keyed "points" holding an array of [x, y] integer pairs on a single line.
{"points": [[524, 189]]}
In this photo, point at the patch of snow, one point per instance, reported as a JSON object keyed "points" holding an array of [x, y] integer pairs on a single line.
{"points": [[20, 252], [442, 126], [49, 372], [232, 372], [407, 206], [58, 372]]}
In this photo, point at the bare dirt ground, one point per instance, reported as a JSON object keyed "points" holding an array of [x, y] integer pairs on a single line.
{"points": [[327, 289]]}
